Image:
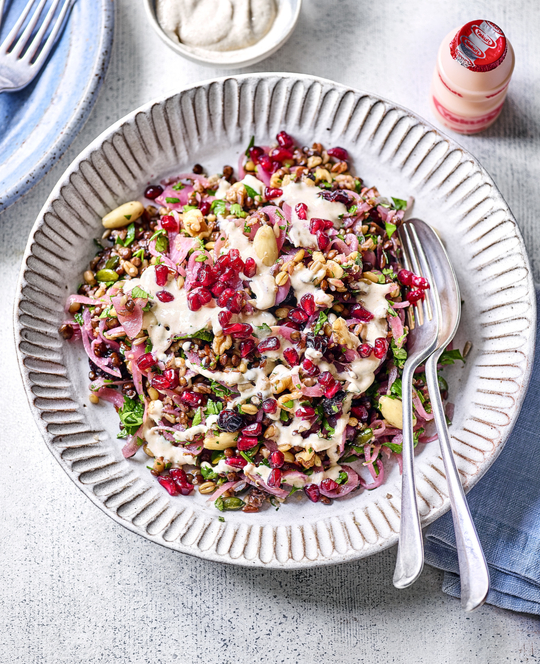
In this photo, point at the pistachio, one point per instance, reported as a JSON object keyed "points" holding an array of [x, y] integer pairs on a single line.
{"points": [[265, 245]]}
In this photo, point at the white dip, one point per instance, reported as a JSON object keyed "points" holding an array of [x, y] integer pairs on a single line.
{"points": [[216, 25]]}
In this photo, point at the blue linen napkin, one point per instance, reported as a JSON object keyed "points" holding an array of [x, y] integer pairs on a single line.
{"points": [[505, 506]]}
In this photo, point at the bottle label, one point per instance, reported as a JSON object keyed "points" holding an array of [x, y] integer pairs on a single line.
{"points": [[473, 123]]}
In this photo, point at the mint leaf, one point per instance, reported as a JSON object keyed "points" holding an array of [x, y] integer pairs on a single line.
{"points": [[219, 390], [236, 210], [390, 228], [198, 418], [450, 356], [139, 292], [251, 144], [187, 208], [78, 317], [342, 477], [213, 408], [219, 206], [396, 388], [399, 203], [208, 472], [250, 191], [323, 318], [131, 414], [178, 186], [170, 199]]}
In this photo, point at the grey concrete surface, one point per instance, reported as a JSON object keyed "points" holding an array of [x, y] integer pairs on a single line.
{"points": [[74, 586]]}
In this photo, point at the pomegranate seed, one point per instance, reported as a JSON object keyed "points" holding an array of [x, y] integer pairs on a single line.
{"points": [[169, 223], [194, 302], [266, 163], [164, 296], [381, 346], [250, 269], [284, 140], [329, 383], [206, 276], [364, 350], [358, 311], [230, 276], [338, 153], [338, 196], [309, 367], [238, 330], [162, 274], [360, 412], [415, 295], [203, 294], [274, 479], [271, 343], [307, 302], [237, 302], [246, 443], [298, 316], [178, 474], [218, 288], [225, 296], [223, 262], [205, 207], [289, 323], [312, 492], [153, 191], [269, 406], [172, 376], [146, 361], [323, 241], [255, 153], [405, 277], [160, 382], [277, 459], [235, 261], [301, 211], [305, 412], [316, 225], [224, 318], [236, 462], [329, 485], [168, 483], [420, 282], [247, 347], [272, 192], [254, 429], [291, 355], [193, 399], [280, 155]]}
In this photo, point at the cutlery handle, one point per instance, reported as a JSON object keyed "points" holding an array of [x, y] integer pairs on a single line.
{"points": [[410, 554], [473, 569]]}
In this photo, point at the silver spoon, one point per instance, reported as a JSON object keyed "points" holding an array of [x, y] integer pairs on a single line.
{"points": [[473, 570]]}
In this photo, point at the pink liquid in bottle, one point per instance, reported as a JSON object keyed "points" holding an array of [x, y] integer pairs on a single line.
{"points": [[470, 82]]}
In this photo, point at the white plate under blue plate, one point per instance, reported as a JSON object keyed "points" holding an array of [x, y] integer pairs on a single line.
{"points": [[38, 123]]}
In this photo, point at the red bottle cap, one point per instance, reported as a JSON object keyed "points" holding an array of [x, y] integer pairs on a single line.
{"points": [[479, 46]]}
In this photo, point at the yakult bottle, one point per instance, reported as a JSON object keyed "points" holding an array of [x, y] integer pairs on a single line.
{"points": [[470, 82]]}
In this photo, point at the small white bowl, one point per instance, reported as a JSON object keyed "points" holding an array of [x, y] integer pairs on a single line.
{"points": [[281, 30]]}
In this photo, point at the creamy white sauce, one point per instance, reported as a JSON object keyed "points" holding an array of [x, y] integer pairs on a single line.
{"points": [[169, 319], [299, 192], [159, 445], [223, 25], [302, 284], [315, 478]]}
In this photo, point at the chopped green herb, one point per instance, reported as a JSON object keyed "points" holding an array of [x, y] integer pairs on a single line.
{"points": [[352, 210], [170, 199], [139, 254], [148, 346], [236, 210], [201, 258], [396, 389], [342, 477], [217, 455], [198, 418], [400, 355], [219, 206], [450, 356], [78, 317], [131, 415], [328, 428], [187, 208], [213, 407], [221, 518], [399, 203], [130, 236], [323, 318], [207, 471], [251, 144], [250, 191], [358, 185], [137, 291], [264, 327], [390, 228], [178, 186], [219, 390]]}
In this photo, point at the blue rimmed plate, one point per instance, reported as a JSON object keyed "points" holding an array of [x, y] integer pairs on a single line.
{"points": [[38, 123]]}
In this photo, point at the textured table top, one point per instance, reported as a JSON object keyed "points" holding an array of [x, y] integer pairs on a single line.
{"points": [[76, 587]]}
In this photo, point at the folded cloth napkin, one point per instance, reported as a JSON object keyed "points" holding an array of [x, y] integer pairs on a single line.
{"points": [[505, 506]]}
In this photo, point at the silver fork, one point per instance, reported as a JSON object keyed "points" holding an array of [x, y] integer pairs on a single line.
{"points": [[422, 341], [21, 57]]}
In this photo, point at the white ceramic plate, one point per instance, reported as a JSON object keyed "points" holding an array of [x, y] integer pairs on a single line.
{"points": [[392, 148]]}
